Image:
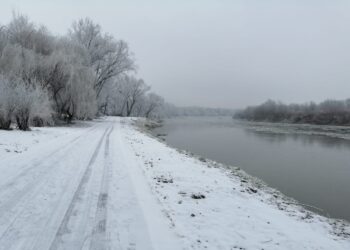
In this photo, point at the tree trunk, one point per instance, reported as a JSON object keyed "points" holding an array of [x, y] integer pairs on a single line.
{"points": [[23, 122], [5, 123]]}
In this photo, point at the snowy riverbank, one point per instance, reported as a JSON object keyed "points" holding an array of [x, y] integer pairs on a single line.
{"points": [[153, 196]]}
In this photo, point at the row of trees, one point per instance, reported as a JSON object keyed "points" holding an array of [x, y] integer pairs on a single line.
{"points": [[46, 78], [329, 112], [169, 110]]}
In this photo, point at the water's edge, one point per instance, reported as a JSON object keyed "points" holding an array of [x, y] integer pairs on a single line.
{"points": [[341, 227]]}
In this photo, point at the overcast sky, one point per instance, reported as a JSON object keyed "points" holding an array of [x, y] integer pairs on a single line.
{"points": [[220, 53]]}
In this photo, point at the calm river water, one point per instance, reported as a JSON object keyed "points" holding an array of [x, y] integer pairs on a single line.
{"points": [[313, 169]]}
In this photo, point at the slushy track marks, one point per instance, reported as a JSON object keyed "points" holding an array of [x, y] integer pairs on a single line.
{"points": [[63, 229]]}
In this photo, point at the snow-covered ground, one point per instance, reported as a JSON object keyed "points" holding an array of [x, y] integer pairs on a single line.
{"points": [[108, 185]]}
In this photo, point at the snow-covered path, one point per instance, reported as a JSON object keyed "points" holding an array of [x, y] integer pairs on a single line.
{"points": [[74, 193], [106, 185]]}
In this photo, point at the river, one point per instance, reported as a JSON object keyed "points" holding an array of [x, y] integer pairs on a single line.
{"points": [[309, 163]]}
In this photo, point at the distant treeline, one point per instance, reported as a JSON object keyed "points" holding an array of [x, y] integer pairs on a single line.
{"points": [[329, 112], [170, 110]]}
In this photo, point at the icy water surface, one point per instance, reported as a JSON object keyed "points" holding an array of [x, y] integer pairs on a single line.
{"points": [[301, 161]]}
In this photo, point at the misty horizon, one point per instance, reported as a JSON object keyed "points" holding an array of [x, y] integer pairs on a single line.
{"points": [[227, 54]]}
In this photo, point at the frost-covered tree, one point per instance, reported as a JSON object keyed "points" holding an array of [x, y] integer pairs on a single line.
{"points": [[129, 96], [110, 99], [131, 90], [70, 81], [23, 32], [152, 104], [3, 38], [7, 103], [22, 103], [72, 76], [80, 95], [31, 102], [108, 57]]}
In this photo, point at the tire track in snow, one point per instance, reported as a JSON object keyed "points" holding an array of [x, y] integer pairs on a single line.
{"points": [[38, 162], [99, 238], [31, 191], [63, 228], [42, 161], [21, 189]]}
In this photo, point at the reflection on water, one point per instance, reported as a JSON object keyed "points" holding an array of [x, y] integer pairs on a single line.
{"points": [[310, 140], [312, 168]]}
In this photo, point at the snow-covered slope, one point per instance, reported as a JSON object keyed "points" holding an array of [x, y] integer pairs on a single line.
{"points": [[107, 185]]}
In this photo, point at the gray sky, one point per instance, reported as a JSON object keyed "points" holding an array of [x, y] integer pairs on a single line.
{"points": [[220, 53]]}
